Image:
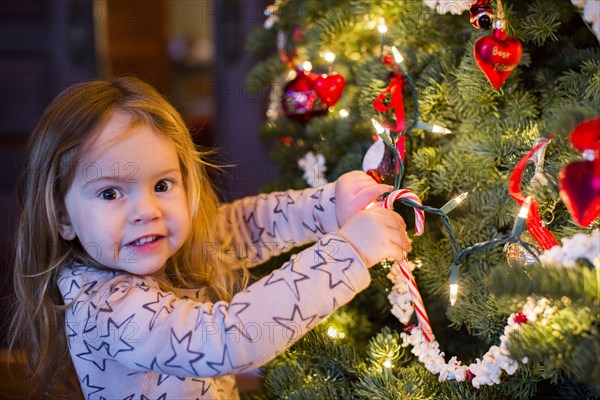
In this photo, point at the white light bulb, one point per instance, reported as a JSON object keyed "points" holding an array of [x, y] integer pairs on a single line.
{"points": [[440, 129], [378, 128], [397, 55], [453, 293], [524, 211], [382, 28], [329, 56]]}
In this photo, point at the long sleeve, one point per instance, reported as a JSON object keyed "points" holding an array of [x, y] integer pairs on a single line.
{"points": [[120, 323], [259, 227]]}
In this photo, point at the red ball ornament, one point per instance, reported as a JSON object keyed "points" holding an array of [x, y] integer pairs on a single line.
{"points": [[498, 55], [481, 14], [309, 94], [586, 136], [579, 181], [300, 100], [379, 163], [579, 184]]}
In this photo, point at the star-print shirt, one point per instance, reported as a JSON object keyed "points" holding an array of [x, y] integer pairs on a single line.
{"points": [[131, 340]]}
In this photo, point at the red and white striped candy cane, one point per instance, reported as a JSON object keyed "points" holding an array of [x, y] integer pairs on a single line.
{"points": [[407, 194], [406, 272]]}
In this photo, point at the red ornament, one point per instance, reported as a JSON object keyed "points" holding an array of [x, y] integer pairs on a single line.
{"points": [[579, 184], [309, 94], [469, 375], [408, 328], [498, 55], [300, 100], [481, 14], [520, 318], [579, 181], [586, 136], [379, 163], [330, 88]]}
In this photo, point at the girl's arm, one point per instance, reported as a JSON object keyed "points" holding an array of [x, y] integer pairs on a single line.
{"points": [[259, 227], [131, 321]]}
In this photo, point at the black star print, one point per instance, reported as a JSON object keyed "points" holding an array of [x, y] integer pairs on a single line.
{"points": [[205, 387], [95, 353], [122, 331], [204, 310], [163, 302], [289, 201], [227, 368], [315, 226], [256, 231], [93, 313], [324, 266], [289, 276], [295, 321], [155, 368], [71, 334], [182, 355], [74, 290], [275, 232], [86, 382], [231, 310], [162, 397]]}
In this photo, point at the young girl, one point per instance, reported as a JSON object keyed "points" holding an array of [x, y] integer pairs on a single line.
{"points": [[128, 272]]}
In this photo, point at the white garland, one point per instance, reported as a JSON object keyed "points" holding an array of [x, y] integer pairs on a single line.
{"points": [[488, 369]]}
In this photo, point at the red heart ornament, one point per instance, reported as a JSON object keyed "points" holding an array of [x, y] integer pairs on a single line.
{"points": [[329, 88], [579, 184], [497, 56]]}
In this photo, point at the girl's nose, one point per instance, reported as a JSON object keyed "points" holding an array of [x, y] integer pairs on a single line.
{"points": [[145, 209]]}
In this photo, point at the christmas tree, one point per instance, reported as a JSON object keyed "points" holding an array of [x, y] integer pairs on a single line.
{"points": [[524, 323]]}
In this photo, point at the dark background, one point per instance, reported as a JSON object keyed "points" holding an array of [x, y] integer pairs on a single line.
{"points": [[191, 50]]}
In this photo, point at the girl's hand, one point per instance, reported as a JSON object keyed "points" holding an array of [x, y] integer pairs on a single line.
{"points": [[377, 233], [353, 192]]}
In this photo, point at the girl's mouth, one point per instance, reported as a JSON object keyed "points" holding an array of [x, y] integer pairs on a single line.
{"points": [[145, 243]]}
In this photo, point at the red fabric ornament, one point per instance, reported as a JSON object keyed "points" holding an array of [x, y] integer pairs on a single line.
{"points": [[498, 55], [329, 88], [481, 14], [586, 136], [579, 184], [535, 225], [309, 94]]}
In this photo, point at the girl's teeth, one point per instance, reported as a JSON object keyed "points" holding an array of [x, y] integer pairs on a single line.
{"points": [[145, 240]]}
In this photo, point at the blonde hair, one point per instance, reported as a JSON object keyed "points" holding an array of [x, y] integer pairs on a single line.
{"points": [[54, 148]]}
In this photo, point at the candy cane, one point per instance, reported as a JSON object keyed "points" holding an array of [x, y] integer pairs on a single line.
{"points": [[406, 272]]}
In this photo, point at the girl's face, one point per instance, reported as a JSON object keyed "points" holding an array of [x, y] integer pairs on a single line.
{"points": [[127, 204]]}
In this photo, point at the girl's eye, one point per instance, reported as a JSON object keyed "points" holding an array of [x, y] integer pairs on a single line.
{"points": [[110, 194], [163, 186]]}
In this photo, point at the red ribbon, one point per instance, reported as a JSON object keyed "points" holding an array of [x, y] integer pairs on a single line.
{"points": [[396, 103], [535, 225]]}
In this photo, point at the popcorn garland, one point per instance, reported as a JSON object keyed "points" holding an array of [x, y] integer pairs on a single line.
{"points": [[488, 369]]}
